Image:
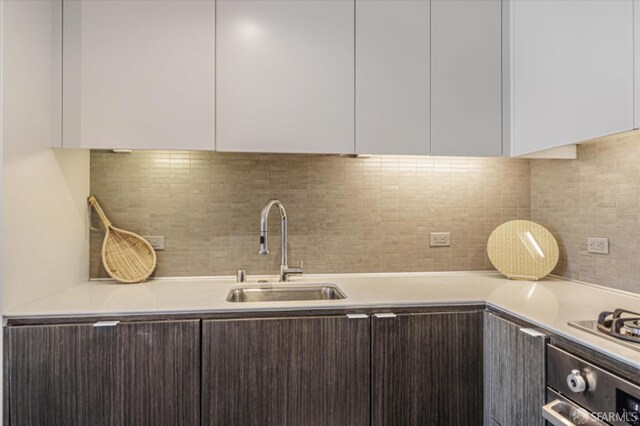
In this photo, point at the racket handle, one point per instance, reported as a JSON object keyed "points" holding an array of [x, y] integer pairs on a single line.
{"points": [[103, 217]]}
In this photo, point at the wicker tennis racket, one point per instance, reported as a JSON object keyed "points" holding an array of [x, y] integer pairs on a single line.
{"points": [[127, 257]]}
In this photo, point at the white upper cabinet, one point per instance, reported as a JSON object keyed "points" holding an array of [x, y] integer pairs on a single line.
{"points": [[285, 76], [466, 77], [421, 77], [392, 77], [571, 71], [138, 74]]}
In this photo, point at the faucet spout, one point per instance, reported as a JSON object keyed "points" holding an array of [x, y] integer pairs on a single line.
{"points": [[285, 271], [264, 229]]}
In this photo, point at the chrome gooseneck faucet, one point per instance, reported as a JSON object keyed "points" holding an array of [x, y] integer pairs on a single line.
{"points": [[285, 271]]}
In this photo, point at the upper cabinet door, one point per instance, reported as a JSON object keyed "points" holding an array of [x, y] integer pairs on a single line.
{"points": [[285, 76], [571, 70], [466, 76], [392, 77], [138, 74]]}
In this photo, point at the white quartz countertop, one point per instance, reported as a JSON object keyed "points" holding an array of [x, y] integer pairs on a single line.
{"points": [[548, 303]]}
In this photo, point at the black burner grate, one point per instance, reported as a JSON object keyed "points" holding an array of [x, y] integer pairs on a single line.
{"points": [[621, 324]]}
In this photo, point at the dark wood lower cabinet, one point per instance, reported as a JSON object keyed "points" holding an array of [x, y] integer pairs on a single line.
{"points": [[128, 374], [515, 379], [410, 369], [286, 371], [427, 369]]}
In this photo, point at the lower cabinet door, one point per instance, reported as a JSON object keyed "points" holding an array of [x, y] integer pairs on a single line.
{"points": [[427, 369], [145, 373], [286, 371], [515, 378]]}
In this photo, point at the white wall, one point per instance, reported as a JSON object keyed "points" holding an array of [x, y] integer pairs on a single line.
{"points": [[1, 202], [44, 191]]}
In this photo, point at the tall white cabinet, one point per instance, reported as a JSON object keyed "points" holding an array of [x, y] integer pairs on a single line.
{"points": [[466, 80], [570, 70], [138, 74], [285, 76], [392, 76]]}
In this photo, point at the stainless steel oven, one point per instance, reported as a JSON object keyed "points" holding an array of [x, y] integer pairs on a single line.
{"points": [[579, 393]]}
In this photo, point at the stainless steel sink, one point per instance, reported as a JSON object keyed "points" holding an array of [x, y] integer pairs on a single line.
{"points": [[285, 292]]}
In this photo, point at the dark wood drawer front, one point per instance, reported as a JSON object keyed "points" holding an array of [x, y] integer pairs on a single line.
{"points": [[286, 371], [128, 374], [427, 369], [514, 373]]}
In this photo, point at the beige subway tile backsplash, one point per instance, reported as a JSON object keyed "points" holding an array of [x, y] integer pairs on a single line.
{"points": [[370, 214], [596, 195]]}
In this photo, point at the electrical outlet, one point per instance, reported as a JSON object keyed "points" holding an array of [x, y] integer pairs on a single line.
{"points": [[156, 241], [598, 245], [440, 239]]}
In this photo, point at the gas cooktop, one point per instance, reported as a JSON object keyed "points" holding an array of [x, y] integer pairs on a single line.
{"points": [[620, 326]]}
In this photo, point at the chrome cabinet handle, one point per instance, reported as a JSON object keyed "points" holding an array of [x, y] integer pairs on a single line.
{"points": [[533, 332], [106, 323], [556, 413]]}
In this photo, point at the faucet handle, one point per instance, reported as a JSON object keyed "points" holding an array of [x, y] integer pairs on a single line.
{"points": [[294, 270]]}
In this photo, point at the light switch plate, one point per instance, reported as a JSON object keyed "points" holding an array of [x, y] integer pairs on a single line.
{"points": [[156, 241], [598, 245], [440, 239]]}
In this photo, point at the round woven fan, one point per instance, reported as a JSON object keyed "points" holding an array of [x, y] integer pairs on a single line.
{"points": [[523, 250], [127, 257]]}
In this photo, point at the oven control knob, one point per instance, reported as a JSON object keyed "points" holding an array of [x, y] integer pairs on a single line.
{"points": [[576, 382]]}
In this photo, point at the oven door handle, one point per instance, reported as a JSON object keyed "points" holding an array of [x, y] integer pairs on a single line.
{"points": [[556, 413]]}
